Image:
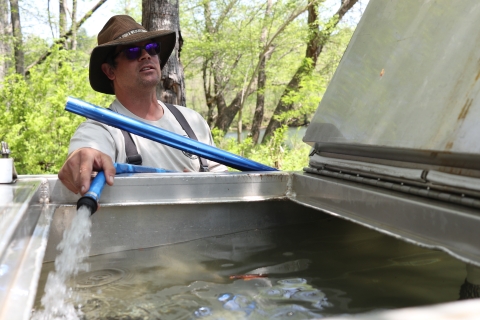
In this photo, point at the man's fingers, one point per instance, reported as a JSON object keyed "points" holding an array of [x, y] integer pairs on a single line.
{"points": [[69, 184], [69, 173], [84, 175], [76, 173], [108, 168]]}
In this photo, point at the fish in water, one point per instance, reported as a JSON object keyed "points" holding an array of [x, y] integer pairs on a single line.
{"points": [[248, 276], [286, 267]]}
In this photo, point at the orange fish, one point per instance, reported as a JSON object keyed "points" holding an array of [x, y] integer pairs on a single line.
{"points": [[248, 276]]}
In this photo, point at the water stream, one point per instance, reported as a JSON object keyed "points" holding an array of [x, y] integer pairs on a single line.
{"points": [[58, 301]]}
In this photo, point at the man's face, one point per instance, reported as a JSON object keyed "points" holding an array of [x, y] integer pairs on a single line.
{"points": [[142, 73]]}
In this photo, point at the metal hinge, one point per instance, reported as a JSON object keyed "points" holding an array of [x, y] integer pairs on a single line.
{"points": [[44, 192]]}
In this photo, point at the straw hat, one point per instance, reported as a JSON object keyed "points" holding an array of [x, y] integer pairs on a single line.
{"points": [[123, 30]]}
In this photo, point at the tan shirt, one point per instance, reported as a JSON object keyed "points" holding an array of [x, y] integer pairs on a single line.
{"points": [[110, 141]]}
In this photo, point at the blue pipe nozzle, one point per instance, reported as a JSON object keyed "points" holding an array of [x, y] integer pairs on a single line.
{"points": [[88, 202], [90, 199]]}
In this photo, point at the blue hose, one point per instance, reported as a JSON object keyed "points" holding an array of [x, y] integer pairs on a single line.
{"points": [[163, 136], [91, 198], [130, 168]]}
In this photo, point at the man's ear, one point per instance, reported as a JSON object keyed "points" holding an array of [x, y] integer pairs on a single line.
{"points": [[108, 70]]}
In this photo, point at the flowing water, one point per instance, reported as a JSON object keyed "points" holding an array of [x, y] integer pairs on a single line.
{"points": [[58, 301], [301, 271]]}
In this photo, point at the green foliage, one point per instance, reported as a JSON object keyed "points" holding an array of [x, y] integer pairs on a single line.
{"points": [[85, 43], [32, 114], [132, 8], [232, 50], [218, 136], [280, 152], [34, 47], [313, 85]]}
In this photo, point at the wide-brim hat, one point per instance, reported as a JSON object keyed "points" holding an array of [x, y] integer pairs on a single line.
{"points": [[123, 30]]}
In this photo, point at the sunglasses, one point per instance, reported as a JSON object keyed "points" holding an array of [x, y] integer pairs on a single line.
{"points": [[135, 52]]}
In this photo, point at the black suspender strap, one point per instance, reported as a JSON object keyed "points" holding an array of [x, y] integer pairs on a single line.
{"points": [[186, 126], [131, 149]]}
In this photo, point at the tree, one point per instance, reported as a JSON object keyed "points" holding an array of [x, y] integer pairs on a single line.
{"points": [[225, 119], [62, 21], [74, 25], [133, 8], [5, 39], [17, 37], [210, 71], [164, 15], [315, 45], [230, 63], [64, 37], [261, 80]]}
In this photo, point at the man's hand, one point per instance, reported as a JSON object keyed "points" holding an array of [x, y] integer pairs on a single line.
{"points": [[77, 171]]}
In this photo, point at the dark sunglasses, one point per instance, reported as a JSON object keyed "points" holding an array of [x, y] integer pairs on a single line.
{"points": [[135, 52]]}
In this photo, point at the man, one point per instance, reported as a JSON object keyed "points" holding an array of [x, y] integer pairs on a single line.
{"points": [[127, 62]]}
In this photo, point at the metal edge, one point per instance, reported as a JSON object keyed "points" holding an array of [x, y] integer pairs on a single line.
{"points": [[447, 227], [458, 310], [430, 157], [397, 172], [401, 164], [453, 180], [24, 258], [156, 188], [14, 214], [36, 251]]}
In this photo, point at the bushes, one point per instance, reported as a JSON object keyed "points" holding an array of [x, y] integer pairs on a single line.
{"points": [[277, 152], [34, 122]]}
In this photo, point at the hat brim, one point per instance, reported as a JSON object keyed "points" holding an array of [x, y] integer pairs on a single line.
{"points": [[100, 82]]}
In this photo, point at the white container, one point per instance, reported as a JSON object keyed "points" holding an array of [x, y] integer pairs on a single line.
{"points": [[6, 170]]}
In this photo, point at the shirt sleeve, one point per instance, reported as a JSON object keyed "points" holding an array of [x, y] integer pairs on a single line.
{"points": [[92, 134]]}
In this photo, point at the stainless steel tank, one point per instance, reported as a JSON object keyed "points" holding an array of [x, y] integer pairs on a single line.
{"points": [[394, 148]]}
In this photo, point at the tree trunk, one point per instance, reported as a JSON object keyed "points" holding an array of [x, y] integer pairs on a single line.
{"points": [[50, 22], [314, 48], [62, 16], [240, 111], [261, 80], [5, 40], [227, 114], [207, 87], [164, 15], [74, 25], [17, 37]]}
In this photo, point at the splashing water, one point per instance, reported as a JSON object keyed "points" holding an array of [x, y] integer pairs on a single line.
{"points": [[74, 247]]}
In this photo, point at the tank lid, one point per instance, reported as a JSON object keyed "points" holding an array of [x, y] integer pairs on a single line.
{"points": [[408, 86]]}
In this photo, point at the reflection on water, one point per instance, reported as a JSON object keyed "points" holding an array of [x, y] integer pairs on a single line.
{"points": [[307, 271]]}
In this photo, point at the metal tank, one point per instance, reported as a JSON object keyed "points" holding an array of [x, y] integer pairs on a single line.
{"points": [[394, 148]]}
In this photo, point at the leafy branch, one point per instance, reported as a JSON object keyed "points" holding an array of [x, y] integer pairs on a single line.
{"points": [[63, 38]]}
